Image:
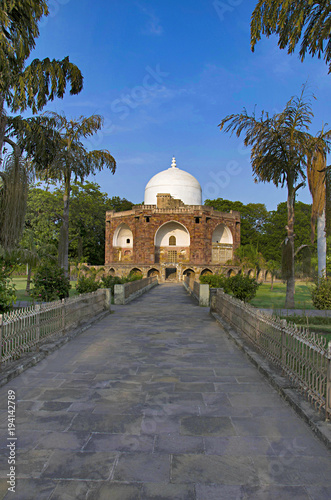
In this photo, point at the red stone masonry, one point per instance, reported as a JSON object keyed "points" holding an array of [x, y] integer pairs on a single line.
{"points": [[144, 232]]}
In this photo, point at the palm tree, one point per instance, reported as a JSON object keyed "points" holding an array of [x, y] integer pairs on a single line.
{"points": [[71, 159], [272, 267], [248, 256], [15, 175], [316, 175], [278, 155], [308, 22], [32, 86], [23, 87]]}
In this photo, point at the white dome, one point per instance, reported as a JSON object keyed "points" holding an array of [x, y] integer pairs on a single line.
{"points": [[178, 183]]}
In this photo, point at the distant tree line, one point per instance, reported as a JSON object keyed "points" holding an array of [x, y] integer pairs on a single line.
{"points": [[86, 220], [266, 230]]}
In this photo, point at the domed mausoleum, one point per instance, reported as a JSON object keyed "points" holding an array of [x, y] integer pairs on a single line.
{"points": [[179, 184], [172, 234]]}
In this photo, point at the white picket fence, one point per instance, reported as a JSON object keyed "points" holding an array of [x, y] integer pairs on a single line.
{"points": [[302, 355], [24, 329]]}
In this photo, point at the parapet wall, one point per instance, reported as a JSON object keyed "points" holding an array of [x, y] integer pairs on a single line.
{"points": [[199, 291], [130, 291]]}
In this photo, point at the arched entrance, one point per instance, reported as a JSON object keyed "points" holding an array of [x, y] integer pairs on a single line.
{"points": [[206, 272], [189, 272], [153, 272], [123, 243], [222, 244], [171, 274], [172, 243]]}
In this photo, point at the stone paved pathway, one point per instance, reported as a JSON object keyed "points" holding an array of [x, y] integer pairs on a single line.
{"points": [[155, 402]]}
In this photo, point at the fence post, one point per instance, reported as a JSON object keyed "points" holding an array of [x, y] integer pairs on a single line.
{"points": [[108, 299], [283, 344], [0, 339], [328, 385], [63, 315], [37, 311]]}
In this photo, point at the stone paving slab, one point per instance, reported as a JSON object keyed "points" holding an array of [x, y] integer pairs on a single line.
{"points": [[156, 402]]}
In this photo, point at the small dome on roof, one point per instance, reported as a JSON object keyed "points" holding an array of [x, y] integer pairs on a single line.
{"points": [[176, 182]]}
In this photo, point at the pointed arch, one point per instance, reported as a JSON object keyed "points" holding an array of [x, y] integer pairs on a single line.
{"points": [[123, 236], [172, 228]]}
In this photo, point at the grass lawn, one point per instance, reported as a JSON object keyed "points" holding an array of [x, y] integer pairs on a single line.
{"points": [[275, 299], [20, 285]]}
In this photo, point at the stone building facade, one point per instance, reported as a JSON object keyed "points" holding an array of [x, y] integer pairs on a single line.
{"points": [[171, 237]]}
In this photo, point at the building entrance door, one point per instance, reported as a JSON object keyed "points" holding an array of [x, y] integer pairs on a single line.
{"points": [[171, 274]]}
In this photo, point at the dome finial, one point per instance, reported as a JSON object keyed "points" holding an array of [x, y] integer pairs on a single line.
{"points": [[173, 164]]}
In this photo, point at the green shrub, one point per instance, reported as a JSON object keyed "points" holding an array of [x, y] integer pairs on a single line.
{"points": [[111, 281], [87, 284], [213, 280], [321, 294], [50, 283], [242, 287], [135, 276], [7, 289]]}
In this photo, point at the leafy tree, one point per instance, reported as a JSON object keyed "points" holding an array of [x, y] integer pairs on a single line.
{"points": [[71, 159], [119, 204], [275, 230], [50, 283], [88, 206], [305, 20], [278, 152], [43, 217]]}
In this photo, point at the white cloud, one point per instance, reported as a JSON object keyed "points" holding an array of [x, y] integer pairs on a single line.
{"points": [[153, 26]]}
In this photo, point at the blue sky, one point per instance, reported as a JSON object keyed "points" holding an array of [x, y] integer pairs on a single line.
{"points": [[163, 75]]}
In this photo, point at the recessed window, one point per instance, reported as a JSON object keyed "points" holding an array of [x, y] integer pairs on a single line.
{"points": [[147, 218], [172, 241], [128, 240], [172, 256], [197, 220]]}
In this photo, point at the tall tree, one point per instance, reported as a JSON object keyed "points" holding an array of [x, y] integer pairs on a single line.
{"points": [[14, 183], [25, 87], [316, 174], [32, 86], [308, 21], [278, 149], [71, 159]]}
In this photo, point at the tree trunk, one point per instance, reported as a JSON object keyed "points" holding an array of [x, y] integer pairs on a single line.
{"points": [[321, 245], [3, 121], [290, 281], [28, 279], [272, 282], [64, 235]]}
